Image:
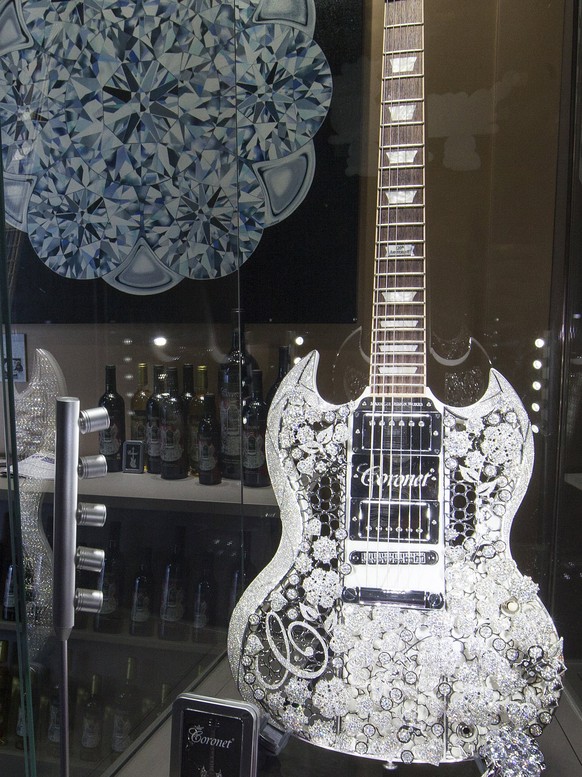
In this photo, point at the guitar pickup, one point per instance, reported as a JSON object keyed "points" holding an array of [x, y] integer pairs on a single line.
{"points": [[402, 557], [422, 600]]}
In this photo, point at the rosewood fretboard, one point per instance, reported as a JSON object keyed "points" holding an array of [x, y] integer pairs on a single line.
{"points": [[398, 348]]}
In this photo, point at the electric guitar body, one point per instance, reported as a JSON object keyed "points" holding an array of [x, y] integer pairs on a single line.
{"points": [[392, 622]]}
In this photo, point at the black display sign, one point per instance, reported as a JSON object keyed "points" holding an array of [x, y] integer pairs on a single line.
{"points": [[213, 737]]}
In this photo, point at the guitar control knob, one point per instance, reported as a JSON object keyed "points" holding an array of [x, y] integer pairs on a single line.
{"points": [[89, 559], [94, 420], [88, 600], [93, 515], [92, 466]]}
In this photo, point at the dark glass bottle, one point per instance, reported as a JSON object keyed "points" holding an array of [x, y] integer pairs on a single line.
{"points": [[9, 604], [195, 414], [234, 382], [186, 396], [173, 443], [173, 601], [53, 730], [153, 460], [139, 401], [110, 618], [111, 440], [284, 358], [36, 677], [125, 711], [209, 445], [204, 595], [254, 432], [5, 690], [92, 723], [141, 618]]}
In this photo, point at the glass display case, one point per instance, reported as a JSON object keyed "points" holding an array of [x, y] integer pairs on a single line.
{"points": [[203, 192]]}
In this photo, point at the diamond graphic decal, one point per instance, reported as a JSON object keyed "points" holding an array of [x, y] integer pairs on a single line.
{"points": [[142, 129]]}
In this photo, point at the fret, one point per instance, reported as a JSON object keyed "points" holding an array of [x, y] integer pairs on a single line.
{"points": [[400, 234], [401, 216], [408, 135], [402, 89], [411, 176]]}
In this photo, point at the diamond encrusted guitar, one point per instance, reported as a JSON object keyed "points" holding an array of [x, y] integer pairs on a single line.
{"points": [[392, 622]]}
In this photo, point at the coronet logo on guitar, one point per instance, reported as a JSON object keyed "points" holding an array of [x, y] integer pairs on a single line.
{"points": [[377, 476]]}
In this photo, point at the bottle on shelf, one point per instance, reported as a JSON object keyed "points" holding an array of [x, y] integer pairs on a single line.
{"points": [[254, 430], [138, 405], [5, 549], [284, 360], [141, 622], [203, 601], [186, 397], [173, 601], [110, 619], [173, 443], [92, 723], [9, 603], [111, 440], [209, 473], [195, 413], [53, 730], [234, 381], [5, 690], [153, 460], [36, 674], [126, 710]]}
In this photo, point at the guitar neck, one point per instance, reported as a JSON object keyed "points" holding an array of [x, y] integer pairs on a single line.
{"points": [[398, 348]]}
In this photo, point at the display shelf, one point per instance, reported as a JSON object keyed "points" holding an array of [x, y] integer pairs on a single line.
{"points": [[146, 491], [209, 638]]}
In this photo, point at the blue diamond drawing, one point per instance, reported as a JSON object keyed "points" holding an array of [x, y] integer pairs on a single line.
{"points": [[147, 141]]}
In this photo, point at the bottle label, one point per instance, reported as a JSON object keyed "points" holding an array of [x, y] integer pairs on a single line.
{"points": [[109, 442], [121, 736], [91, 732], [172, 447], [193, 455], [208, 455], [153, 438], [138, 425], [9, 602], [110, 597], [172, 608], [230, 424], [140, 607], [253, 449]]}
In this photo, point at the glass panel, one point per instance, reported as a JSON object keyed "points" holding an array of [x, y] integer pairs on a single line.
{"points": [[196, 184]]}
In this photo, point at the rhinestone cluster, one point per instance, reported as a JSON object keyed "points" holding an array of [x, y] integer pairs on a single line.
{"points": [[479, 678]]}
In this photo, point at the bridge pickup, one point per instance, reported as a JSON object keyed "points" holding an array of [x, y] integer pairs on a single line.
{"points": [[403, 557], [425, 600]]}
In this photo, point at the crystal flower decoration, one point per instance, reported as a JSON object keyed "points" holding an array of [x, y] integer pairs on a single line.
{"points": [[147, 141]]}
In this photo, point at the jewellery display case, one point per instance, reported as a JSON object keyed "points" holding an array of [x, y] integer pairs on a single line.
{"points": [[224, 183]]}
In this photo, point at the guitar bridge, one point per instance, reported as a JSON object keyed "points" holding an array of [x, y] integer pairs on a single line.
{"points": [[425, 600]]}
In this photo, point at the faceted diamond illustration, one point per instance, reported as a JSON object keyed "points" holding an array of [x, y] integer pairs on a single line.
{"points": [[82, 226], [158, 124]]}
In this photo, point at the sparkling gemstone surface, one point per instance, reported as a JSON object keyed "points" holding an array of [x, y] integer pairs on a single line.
{"points": [[144, 120]]}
